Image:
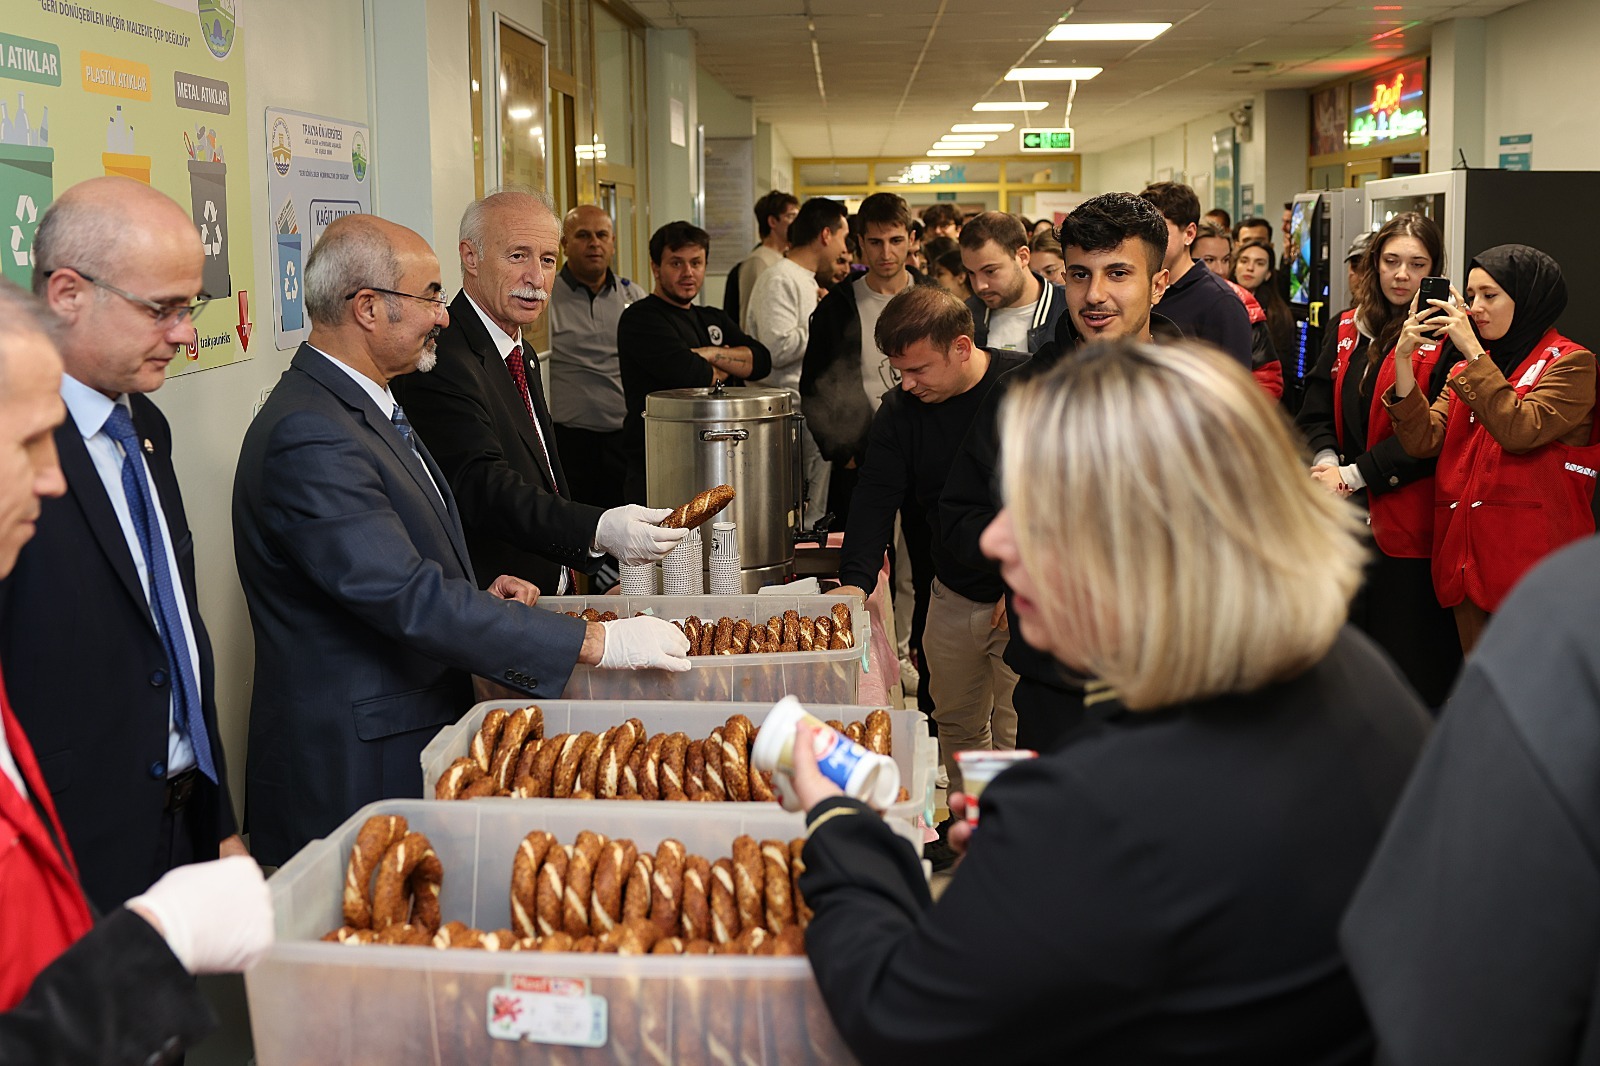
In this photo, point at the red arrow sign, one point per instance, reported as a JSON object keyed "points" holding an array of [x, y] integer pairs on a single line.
{"points": [[245, 325]]}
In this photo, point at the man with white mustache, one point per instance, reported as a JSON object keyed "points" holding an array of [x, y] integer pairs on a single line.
{"points": [[483, 414]]}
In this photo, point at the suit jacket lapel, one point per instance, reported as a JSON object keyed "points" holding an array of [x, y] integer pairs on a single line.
{"points": [[499, 378], [541, 409], [89, 492], [437, 491]]}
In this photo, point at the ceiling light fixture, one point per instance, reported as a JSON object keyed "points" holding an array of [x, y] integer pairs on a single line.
{"points": [[1052, 73], [1020, 105], [981, 138], [983, 127], [1107, 31], [949, 151]]}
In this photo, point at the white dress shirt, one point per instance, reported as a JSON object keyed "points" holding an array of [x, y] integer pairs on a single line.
{"points": [[503, 343], [90, 410]]}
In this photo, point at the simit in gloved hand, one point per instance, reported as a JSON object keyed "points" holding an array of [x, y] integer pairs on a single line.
{"points": [[644, 643], [215, 916], [631, 534]]}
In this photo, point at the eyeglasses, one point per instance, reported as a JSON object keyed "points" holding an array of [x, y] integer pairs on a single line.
{"points": [[161, 314], [888, 374], [436, 300]]}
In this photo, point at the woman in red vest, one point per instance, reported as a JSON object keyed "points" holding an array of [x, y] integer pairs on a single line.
{"points": [[1355, 454], [1514, 434]]}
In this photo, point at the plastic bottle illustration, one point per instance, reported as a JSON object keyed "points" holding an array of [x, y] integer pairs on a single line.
{"points": [[44, 129], [21, 130], [5, 124]]}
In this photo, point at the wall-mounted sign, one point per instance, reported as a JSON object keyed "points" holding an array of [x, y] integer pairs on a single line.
{"points": [[1040, 139], [1390, 106]]}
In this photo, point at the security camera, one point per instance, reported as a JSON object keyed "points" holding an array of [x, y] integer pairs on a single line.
{"points": [[1242, 114]]}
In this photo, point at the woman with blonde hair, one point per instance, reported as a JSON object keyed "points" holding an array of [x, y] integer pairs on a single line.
{"points": [[1167, 885]]}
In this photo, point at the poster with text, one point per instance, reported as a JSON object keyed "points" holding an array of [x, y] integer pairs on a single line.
{"points": [[318, 168], [151, 90]]}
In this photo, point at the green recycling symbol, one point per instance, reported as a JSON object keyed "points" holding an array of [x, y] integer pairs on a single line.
{"points": [[22, 231]]}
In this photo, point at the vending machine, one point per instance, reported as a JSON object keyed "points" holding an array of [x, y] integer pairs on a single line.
{"points": [[1479, 209], [1321, 226]]}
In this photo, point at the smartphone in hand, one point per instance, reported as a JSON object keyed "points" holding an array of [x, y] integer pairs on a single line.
{"points": [[1432, 289]]}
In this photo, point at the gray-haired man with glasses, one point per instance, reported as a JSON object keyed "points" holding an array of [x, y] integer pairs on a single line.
{"points": [[109, 664]]}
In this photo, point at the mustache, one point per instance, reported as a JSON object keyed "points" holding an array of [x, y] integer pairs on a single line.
{"points": [[528, 292]]}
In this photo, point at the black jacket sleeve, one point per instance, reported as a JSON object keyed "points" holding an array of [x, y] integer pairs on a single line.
{"points": [[1474, 937], [118, 995], [1315, 418], [1020, 925], [884, 484], [450, 408]]}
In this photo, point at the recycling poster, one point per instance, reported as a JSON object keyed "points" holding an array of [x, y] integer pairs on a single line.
{"points": [[318, 169], [153, 90]]}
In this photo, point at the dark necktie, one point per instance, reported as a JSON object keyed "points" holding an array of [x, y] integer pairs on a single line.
{"points": [[402, 425], [519, 375], [163, 598]]}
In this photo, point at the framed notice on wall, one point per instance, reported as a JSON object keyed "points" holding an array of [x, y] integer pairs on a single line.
{"points": [[139, 89], [318, 169], [729, 181]]}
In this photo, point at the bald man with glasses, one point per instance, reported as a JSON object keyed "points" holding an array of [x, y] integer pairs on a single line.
{"points": [[108, 663]]}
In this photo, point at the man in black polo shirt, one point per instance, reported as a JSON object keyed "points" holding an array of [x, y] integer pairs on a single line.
{"points": [[926, 333], [666, 341]]}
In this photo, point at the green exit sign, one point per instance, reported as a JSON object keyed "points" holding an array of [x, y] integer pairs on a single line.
{"points": [[1047, 140]]}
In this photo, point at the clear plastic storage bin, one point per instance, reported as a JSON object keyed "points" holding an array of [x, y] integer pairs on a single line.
{"points": [[813, 676], [914, 751], [339, 1005]]}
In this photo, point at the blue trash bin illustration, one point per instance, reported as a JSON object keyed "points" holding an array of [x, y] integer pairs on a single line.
{"points": [[291, 297]]}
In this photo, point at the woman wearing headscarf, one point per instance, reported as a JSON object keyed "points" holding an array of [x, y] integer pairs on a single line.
{"points": [[1514, 431]]}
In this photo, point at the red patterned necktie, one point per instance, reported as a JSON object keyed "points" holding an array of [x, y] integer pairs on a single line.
{"points": [[519, 375]]}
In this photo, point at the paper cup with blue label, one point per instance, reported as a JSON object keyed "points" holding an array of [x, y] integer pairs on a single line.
{"points": [[978, 768], [864, 775]]}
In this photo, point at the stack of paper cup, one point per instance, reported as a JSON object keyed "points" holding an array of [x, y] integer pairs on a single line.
{"points": [[683, 570], [638, 579], [725, 559]]}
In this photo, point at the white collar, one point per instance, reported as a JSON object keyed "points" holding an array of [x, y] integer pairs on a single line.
{"points": [[89, 407], [503, 341], [380, 395]]}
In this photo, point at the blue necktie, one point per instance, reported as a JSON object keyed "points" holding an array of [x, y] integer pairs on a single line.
{"points": [[142, 508], [403, 425]]}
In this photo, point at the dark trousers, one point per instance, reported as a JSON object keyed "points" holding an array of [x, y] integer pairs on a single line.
{"points": [[595, 465], [919, 549], [1396, 607]]}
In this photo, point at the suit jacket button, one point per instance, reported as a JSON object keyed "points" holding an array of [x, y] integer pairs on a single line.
{"points": [[511, 675], [158, 770], [1393, 480], [158, 678]]}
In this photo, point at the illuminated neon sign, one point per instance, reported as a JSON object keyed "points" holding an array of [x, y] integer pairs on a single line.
{"points": [[1391, 107]]}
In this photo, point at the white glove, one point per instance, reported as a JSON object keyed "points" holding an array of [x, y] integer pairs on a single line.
{"points": [[215, 916], [631, 534], [644, 643]]}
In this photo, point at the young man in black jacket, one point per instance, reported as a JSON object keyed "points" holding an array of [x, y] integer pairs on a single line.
{"points": [[1013, 307], [1114, 247], [1201, 303], [667, 341], [944, 378]]}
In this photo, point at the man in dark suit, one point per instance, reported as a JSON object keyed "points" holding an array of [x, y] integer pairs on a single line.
{"points": [[108, 663], [368, 618], [483, 414]]}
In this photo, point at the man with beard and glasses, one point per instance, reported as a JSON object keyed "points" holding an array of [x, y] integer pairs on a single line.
{"points": [[369, 621], [483, 413]]}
